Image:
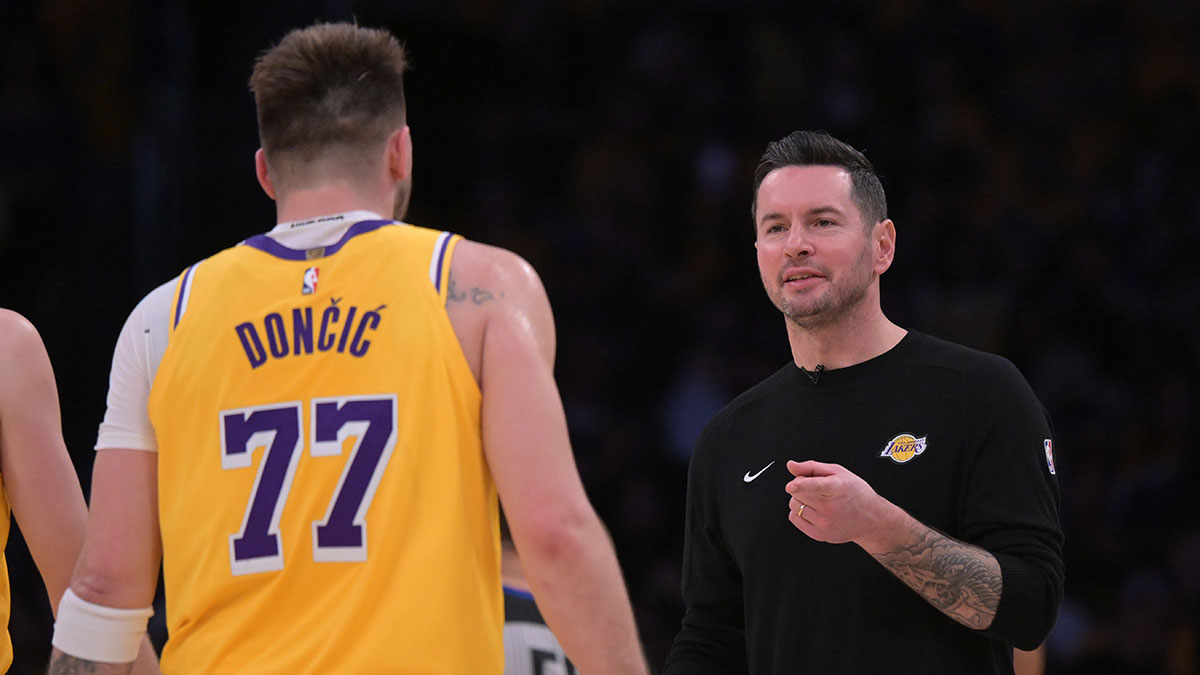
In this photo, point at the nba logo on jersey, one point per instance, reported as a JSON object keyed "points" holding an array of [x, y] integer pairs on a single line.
{"points": [[310, 281], [1049, 455]]}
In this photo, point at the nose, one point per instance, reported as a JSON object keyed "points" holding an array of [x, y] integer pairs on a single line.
{"points": [[799, 243]]}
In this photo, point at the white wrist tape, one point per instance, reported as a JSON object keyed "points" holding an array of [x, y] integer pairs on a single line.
{"points": [[98, 633]]}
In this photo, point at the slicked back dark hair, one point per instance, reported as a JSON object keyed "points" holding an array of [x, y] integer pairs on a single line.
{"points": [[819, 148], [329, 87]]}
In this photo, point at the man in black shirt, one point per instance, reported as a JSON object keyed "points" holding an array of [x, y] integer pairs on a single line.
{"points": [[921, 532]]}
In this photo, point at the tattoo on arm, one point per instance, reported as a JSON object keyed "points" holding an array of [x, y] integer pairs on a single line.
{"points": [[960, 580], [65, 664], [476, 295]]}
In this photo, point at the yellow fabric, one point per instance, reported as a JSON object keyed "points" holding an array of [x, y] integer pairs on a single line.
{"points": [[425, 595], [6, 648]]}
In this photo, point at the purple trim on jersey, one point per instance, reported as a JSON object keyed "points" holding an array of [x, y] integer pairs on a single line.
{"points": [[268, 245], [441, 258], [183, 291]]}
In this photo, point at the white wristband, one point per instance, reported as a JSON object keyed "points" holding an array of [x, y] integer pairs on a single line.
{"points": [[98, 633]]}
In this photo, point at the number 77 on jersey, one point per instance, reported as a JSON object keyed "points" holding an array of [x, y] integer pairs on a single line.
{"points": [[341, 535]]}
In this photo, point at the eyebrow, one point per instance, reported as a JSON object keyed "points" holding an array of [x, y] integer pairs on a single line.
{"points": [[820, 210]]}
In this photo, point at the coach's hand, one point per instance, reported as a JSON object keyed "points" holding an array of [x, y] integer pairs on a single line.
{"points": [[831, 504]]}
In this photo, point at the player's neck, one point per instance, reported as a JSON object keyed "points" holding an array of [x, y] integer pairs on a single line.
{"points": [[843, 343], [303, 204]]}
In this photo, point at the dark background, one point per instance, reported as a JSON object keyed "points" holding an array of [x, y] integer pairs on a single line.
{"points": [[1040, 160]]}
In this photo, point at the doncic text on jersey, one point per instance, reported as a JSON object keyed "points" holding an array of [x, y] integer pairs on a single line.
{"points": [[333, 332]]}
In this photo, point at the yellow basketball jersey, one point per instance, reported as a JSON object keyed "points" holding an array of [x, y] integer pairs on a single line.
{"points": [[324, 499], [6, 648]]}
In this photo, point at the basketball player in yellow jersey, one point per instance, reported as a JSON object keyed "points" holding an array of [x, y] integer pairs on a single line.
{"points": [[310, 429], [39, 485]]}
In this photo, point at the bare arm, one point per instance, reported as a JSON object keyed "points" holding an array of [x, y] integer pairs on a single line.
{"points": [[962, 581], [39, 478], [146, 663], [567, 554], [119, 564]]}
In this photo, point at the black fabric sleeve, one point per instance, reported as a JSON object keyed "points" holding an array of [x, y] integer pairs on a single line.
{"points": [[1012, 502], [712, 638]]}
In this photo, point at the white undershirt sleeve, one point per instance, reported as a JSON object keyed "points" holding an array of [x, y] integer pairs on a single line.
{"points": [[143, 340], [139, 350]]}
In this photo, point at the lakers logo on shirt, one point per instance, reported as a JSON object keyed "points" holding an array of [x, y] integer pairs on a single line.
{"points": [[903, 448]]}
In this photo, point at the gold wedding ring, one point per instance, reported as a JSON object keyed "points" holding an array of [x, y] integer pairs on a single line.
{"points": [[800, 511]]}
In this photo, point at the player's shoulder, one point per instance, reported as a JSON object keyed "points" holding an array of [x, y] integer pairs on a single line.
{"points": [[22, 354], [14, 324], [154, 309], [17, 334], [476, 261]]}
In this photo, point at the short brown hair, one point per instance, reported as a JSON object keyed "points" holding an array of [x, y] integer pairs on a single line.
{"points": [[819, 148], [329, 89]]}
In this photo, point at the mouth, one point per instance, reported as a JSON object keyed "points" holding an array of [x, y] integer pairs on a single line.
{"points": [[801, 278]]}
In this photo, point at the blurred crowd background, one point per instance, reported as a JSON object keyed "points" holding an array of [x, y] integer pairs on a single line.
{"points": [[1040, 159]]}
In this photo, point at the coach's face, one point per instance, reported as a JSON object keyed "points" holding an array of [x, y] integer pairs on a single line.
{"points": [[818, 260]]}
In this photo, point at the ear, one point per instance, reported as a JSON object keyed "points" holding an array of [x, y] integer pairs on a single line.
{"points": [[885, 245], [399, 154], [264, 176]]}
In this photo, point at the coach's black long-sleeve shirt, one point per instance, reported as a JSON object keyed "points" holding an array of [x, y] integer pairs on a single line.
{"points": [[761, 597]]}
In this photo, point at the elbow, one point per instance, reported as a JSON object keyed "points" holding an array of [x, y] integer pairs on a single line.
{"points": [[557, 537], [1034, 630], [97, 587], [1028, 610], [1030, 640], [113, 587]]}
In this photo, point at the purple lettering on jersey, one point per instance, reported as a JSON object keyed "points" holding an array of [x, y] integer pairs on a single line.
{"points": [[346, 329], [359, 346], [251, 344], [302, 330], [276, 335], [258, 540], [326, 338], [279, 343], [341, 536]]}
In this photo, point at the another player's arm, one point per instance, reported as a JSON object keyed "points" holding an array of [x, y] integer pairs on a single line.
{"points": [[39, 477], [118, 566], [567, 554]]}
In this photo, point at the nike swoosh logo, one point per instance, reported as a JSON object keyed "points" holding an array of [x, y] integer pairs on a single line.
{"points": [[749, 476]]}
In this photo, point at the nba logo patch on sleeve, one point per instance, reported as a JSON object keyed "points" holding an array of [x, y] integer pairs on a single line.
{"points": [[309, 286], [1049, 455]]}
